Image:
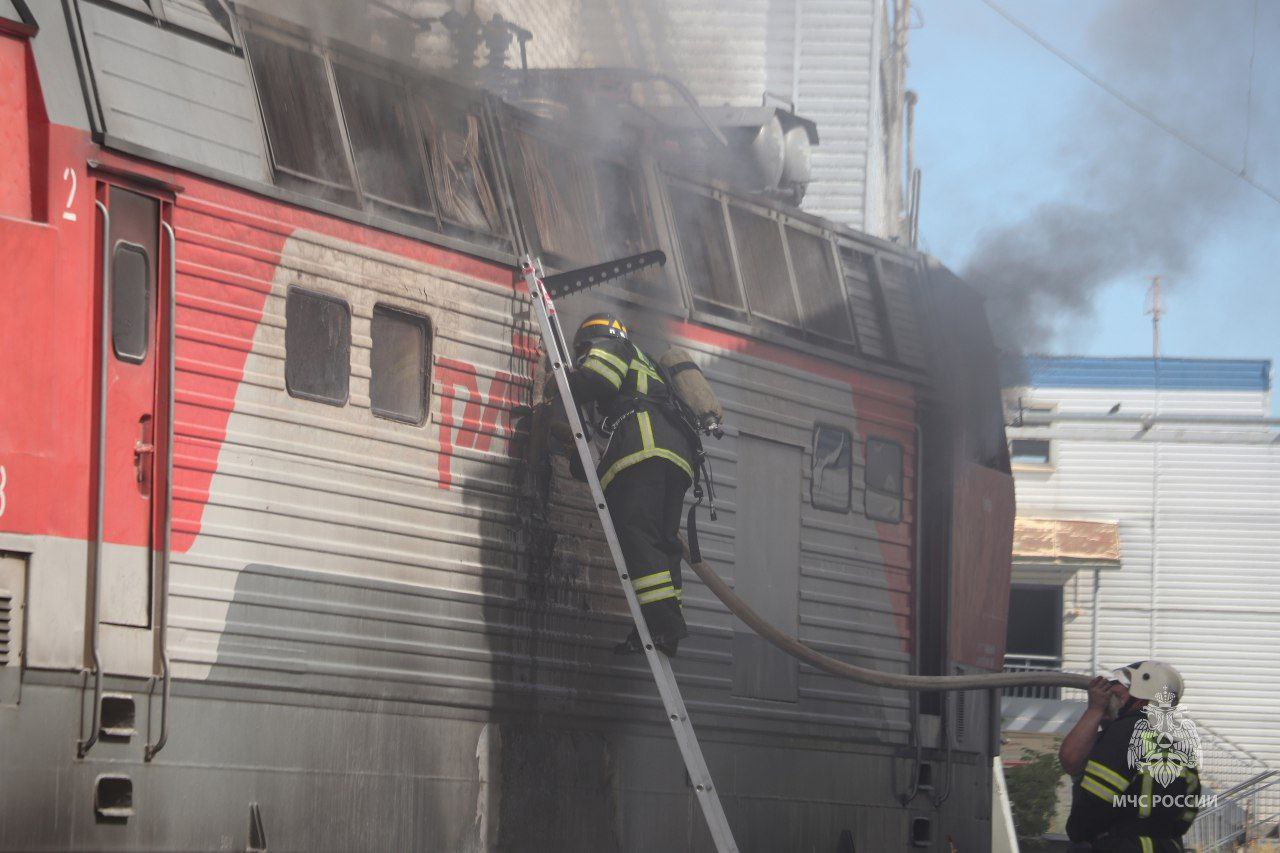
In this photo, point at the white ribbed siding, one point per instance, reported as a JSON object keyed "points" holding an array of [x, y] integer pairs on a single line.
{"points": [[1206, 596]]}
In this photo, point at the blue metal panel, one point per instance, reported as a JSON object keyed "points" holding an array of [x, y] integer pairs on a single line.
{"points": [[1209, 374]]}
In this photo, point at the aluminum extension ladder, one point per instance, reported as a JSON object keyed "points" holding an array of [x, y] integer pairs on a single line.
{"points": [[561, 357]]}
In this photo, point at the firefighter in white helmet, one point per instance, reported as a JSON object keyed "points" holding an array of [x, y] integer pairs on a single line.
{"points": [[1133, 761]]}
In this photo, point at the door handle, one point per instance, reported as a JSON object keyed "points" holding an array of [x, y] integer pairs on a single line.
{"points": [[140, 450]]}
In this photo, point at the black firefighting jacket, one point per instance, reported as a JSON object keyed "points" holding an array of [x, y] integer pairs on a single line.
{"points": [[1112, 799], [633, 406]]}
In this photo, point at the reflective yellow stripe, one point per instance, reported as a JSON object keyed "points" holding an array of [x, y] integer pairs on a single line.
{"points": [[1144, 804], [611, 323], [662, 593], [606, 356], [651, 580], [604, 370], [642, 381], [1093, 786], [652, 453], [646, 430], [1106, 774], [1147, 846]]}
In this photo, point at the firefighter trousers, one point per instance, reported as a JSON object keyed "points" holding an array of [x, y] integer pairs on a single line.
{"points": [[646, 502]]}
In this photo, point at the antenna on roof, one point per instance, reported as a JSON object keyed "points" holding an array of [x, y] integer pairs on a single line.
{"points": [[1156, 309]]}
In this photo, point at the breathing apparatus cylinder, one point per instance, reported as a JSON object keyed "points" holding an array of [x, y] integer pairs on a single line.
{"points": [[693, 390]]}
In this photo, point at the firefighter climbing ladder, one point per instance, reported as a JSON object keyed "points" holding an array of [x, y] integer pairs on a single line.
{"points": [[557, 349]]}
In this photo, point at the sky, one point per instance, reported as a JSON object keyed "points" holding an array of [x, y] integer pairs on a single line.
{"points": [[1059, 202]]}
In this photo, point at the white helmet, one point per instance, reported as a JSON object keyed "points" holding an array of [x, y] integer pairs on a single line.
{"points": [[1145, 679]]}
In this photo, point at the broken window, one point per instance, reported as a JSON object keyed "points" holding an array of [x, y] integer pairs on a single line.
{"points": [[317, 347], [818, 282], [865, 303], [302, 122], [383, 139], [460, 162], [628, 226], [758, 240], [704, 248], [399, 365], [884, 480], [831, 480], [562, 191]]}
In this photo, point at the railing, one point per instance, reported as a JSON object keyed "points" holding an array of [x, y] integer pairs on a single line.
{"points": [[1241, 817], [1032, 663]]}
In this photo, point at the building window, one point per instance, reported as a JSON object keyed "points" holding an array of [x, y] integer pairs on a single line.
{"points": [[884, 480], [1035, 626], [758, 240], [1030, 452], [399, 365], [302, 121], [704, 248], [130, 301], [831, 477], [383, 139], [317, 347], [821, 294]]}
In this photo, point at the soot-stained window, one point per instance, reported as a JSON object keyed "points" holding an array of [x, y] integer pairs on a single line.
{"points": [[821, 293], [317, 344], [831, 480], [764, 267], [460, 162], [704, 247], [383, 138], [399, 365], [628, 226], [867, 304], [302, 120], [562, 190], [130, 301], [884, 480]]}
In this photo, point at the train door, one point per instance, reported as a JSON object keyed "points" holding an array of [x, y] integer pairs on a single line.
{"points": [[766, 563], [133, 306]]}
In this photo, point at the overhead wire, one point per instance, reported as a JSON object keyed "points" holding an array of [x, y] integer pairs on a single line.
{"points": [[1239, 173]]}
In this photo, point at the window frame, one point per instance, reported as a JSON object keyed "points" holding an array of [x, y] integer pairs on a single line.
{"points": [[833, 258], [428, 339], [818, 426], [148, 263], [348, 195], [867, 489], [698, 302], [1031, 464], [777, 218], [1060, 601], [308, 395]]}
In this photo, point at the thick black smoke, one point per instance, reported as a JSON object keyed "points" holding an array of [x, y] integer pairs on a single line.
{"points": [[1141, 202]]}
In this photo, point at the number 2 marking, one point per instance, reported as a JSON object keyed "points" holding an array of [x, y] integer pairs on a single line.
{"points": [[4, 479], [69, 174]]}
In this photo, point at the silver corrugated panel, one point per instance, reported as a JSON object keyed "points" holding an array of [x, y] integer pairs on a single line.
{"points": [[1200, 542], [898, 285], [174, 95]]}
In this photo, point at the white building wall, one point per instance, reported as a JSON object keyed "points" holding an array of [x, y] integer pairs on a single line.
{"points": [[1199, 523]]}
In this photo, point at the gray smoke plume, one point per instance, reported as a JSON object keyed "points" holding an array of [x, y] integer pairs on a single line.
{"points": [[1141, 202]]}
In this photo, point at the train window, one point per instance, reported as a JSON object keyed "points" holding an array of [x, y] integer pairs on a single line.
{"points": [[317, 347], [302, 121], [628, 228], [399, 362], [821, 293], [383, 139], [130, 301], [758, 240], [884, 480], [831, 477], [866, 304], [460, 163], [704, 246], [561, 186]]}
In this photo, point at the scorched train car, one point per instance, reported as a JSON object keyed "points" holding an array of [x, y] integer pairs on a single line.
{"points": [[280, 562]]}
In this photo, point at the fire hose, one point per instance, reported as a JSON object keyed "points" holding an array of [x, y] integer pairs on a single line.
{"points": [[831, 666]]}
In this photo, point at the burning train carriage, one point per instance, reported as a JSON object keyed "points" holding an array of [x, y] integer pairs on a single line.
{"points": [[384, 615]]}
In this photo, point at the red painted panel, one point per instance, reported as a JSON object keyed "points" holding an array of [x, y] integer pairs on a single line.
{"points": [[15, 143], [981, 563]]}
